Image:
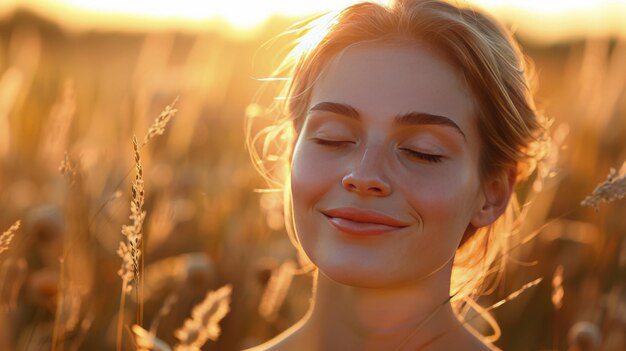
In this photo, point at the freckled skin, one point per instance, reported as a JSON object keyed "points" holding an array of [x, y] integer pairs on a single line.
{"points": [[372, 170]]}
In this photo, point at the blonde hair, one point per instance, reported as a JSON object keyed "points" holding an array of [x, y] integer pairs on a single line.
{"points": [[485, 56]]}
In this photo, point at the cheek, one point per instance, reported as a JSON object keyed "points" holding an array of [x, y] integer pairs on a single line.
{"points": [[311, 176], [443, 206], [444, 201]]}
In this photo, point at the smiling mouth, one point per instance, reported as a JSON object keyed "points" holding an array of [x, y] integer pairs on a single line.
{"points": [[362, 222]]}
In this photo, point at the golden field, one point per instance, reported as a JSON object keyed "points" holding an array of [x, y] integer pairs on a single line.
{"points": [[77, 100]]}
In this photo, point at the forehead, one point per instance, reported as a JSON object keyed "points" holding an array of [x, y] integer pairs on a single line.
{"points": [[384, 80]]}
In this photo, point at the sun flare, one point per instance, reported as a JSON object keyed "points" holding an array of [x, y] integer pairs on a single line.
{"points": [[543, 20]]}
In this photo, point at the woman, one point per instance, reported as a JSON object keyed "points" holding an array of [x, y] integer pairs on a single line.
{"points": [[405, 130]]}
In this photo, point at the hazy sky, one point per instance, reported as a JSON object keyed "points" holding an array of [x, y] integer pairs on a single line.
{"points": [[544, 20]]}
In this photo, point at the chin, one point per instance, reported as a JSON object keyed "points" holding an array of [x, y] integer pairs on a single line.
{"points": [[359, 277], [383, 276], [355, 280]]}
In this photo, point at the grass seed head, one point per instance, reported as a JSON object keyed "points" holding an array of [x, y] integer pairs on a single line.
{"points": [[158, 127], [557, 288], [7, 236], [130, 251], [147, 341], [204, 322], [276, 290], [613, 188], [69, 168]]}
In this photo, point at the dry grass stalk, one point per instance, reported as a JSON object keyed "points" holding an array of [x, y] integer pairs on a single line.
{"points": [[147, 341], [163, 311], [204, 322], [276, 290], [11, 83], [116, 195], [484, 311], [68, 168], [57, 330], [158, 127], [171, 272], [13, 275], [6, 237], [57, 126], [130, 251], [613, 188], [557, 288], [515, 294]]}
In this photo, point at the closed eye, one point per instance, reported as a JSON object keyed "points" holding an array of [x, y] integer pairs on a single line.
{"points": [[422, 156], [329, 142]]}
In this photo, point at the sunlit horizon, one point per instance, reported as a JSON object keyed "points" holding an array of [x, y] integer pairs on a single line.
{"points": [[546, 21]]}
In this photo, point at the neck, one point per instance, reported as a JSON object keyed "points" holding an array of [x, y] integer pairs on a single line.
{"points": [[347, 317]]}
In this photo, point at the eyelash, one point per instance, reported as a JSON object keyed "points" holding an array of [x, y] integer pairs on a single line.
{"points": [[326, 142], [422, 156], [412, 153]]}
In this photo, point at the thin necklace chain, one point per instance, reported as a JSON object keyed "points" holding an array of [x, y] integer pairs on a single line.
{"points": [[420, 324]]}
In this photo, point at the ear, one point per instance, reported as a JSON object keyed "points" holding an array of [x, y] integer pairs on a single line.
{"points": [[496, 193]]}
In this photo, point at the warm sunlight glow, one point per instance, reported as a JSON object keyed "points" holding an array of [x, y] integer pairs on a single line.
{"points": [[546, 20], [135, 14], [551, 20], [546, 7]]}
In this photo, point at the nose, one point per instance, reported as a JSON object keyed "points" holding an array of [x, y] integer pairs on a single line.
{"points": [[367, 176]]}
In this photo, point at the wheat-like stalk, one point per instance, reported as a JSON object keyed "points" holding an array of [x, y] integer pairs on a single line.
{"points": [[147, 341], [158, 127], [165, 309], [514, 294], [13, 275], [557, 288], [204, 322], [68, 168], [276, 290], [613, 188], [130, 251], [6, 237]]}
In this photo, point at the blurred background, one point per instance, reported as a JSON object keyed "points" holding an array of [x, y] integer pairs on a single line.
{"points": [[79, 78]]}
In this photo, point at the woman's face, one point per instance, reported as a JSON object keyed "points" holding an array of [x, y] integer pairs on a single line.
{"points": [[385, 168]]}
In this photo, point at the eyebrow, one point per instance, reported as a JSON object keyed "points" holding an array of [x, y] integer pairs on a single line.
{"points": [[410, 118]]}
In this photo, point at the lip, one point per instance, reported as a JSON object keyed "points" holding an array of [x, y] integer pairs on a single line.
{"points": [[358, 221]]}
